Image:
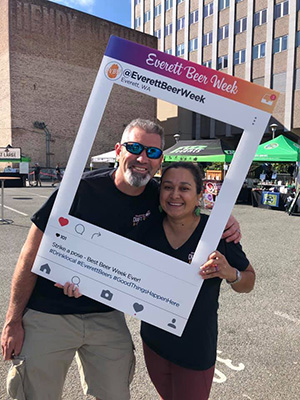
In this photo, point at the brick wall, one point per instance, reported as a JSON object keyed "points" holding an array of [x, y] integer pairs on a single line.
{"points": [[55, 55]]}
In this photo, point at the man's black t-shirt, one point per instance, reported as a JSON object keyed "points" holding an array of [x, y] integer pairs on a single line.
{"points": [[196, 348], [99, 202]]}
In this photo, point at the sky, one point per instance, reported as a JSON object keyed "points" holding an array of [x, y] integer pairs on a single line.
{"points": [[116, 11]]}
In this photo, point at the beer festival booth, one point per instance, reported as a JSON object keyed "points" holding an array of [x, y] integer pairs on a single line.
{"points": [[12, 176], [202, 152], [275, 193]]}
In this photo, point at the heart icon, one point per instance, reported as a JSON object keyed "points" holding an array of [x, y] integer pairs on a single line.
{"points": [[138, 307], [63, 221]]}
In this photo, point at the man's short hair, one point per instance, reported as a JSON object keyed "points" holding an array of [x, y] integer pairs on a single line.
{"points": [[148, 126]]}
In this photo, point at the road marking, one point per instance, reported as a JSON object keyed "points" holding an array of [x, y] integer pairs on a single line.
{"points": [[286, 316], [219, 376], [12, 209], [229, 364]]}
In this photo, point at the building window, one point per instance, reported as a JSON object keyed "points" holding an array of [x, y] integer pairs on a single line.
{"points": [[180, 50], [147, 16], [194, 17], [259, 51], [280, 44], [193, 45], [208, 9], [180, 23], [208, 63], [137, 2], [137, 22], [168, 29], [298, 4], [222, 62], [207, 38], [223, 4], [180, 1], [281, 9], [240, 57], [241, 25], [157, 10], [168, 51], [169, 4], [157, 34], [298, 39], [223, 32], [238, 1], [260, 18]]}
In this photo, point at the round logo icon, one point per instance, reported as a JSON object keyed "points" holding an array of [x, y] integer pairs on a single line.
{"points": [[271, 146], [113, 70]]}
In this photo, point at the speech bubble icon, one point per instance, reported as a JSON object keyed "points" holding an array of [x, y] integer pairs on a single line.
{"points": [[138, 307], [79, 228]]}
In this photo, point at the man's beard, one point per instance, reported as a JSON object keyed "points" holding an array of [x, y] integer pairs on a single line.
{"points": [[135, 179]]}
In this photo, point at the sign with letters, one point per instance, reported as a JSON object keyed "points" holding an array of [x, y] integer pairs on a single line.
{"points": [[10, 153], [114, 270]]}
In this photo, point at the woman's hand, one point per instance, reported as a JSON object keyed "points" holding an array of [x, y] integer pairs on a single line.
{"points": [[70, 289], [217, 267]]}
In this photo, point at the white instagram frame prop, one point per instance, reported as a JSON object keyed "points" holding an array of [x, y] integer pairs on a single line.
{"points": [[152, 286]]}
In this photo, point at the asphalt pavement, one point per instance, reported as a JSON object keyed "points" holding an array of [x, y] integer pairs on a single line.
{"points": [[259, 339]]}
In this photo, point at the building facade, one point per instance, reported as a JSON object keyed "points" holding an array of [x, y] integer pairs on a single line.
{"points": [[49, 58], [256, 40]]}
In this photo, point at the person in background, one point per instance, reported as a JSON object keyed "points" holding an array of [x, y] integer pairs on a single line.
{"points": [[37, 173], [58, 175], [291, 171], [269, 172]]}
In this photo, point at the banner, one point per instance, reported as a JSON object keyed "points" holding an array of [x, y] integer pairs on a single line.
{"points": [[116, 271]]}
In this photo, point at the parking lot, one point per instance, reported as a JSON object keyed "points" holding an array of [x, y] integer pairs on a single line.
{"points": [[259, 339]]}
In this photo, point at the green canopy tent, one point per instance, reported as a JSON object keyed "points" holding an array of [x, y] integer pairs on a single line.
{"points": [[215, 150], [280, 149]]}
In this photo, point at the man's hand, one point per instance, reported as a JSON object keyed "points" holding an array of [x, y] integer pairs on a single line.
{"points": [[12, 339], [232, 231], [23, 283]]}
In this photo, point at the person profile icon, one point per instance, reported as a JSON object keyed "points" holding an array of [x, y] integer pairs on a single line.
{"points": [[172, 323]]}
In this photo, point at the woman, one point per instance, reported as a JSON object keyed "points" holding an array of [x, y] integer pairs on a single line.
{"points": [[183, 367]]}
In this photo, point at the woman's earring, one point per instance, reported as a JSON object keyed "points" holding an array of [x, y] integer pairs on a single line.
{"points": [[197, 211], [160, 209]]}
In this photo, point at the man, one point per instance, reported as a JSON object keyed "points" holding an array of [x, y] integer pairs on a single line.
{"points": [[57, 326], [37, 172]]}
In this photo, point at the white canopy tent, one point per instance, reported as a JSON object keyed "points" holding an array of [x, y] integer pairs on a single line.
{"points": [[109, 157]]}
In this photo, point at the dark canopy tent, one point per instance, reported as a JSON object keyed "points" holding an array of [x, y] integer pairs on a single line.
{"points": [[215, 150]]}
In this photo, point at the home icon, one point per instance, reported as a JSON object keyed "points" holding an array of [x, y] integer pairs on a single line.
{"points": [[45, 268]]}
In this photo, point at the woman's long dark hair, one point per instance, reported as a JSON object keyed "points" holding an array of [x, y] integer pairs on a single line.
{"points": [[194, 169]]}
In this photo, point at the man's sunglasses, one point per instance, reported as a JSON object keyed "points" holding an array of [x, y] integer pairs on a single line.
{"points": [[138, 148]]}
